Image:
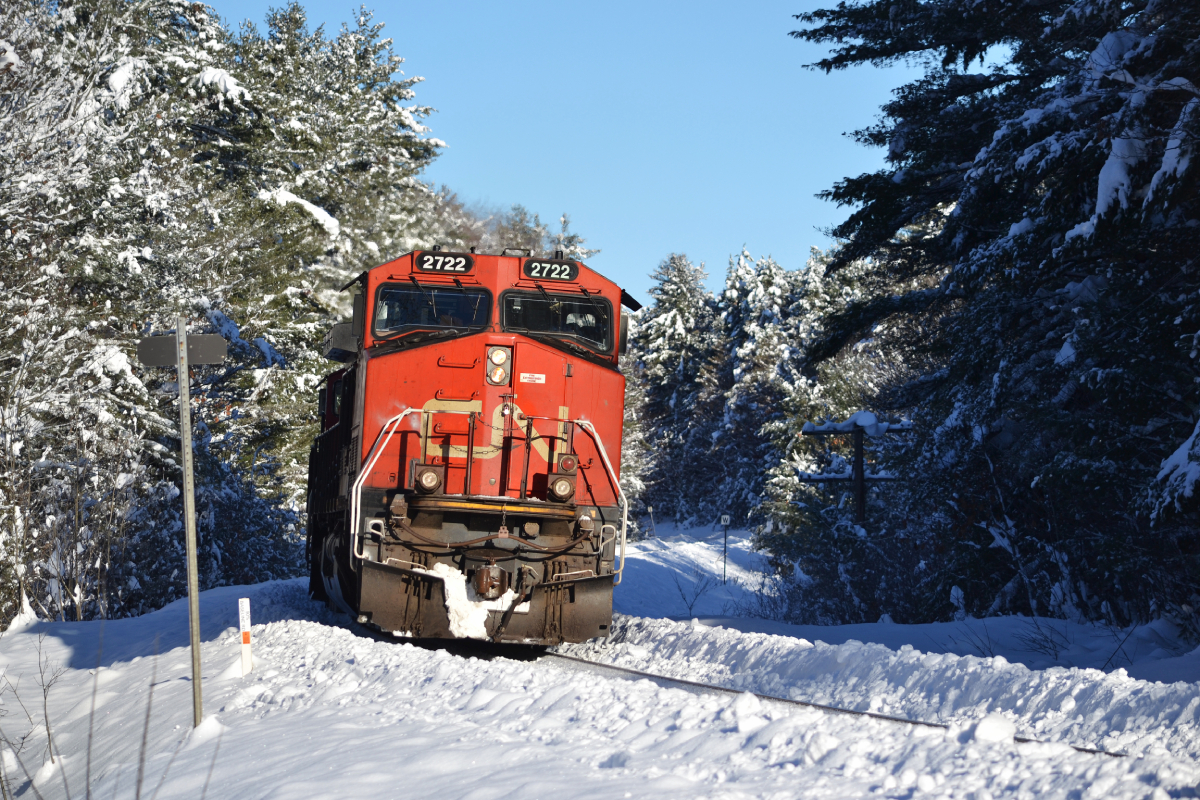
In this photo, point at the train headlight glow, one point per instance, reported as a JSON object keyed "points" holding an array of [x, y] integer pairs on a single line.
{"points": [[499, 365]]}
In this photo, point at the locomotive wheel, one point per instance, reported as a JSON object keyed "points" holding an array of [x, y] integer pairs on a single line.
{"points": [[316, 587]]}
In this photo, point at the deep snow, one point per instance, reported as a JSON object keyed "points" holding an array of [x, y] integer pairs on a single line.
{"points": [[667, 572], [330, 713]]}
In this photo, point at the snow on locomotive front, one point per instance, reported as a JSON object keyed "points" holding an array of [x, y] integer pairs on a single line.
{"points": [[465, 481]]}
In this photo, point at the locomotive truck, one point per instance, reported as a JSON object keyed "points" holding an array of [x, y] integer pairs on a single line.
{"points": [[465, 482]]}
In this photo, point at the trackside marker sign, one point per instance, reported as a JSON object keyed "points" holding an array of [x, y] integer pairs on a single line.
{"points": [[244, 624]]}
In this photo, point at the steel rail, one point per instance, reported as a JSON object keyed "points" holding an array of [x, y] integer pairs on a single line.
{"points": [[806, 704]]}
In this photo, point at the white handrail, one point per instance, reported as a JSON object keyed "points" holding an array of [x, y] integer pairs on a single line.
{"points": [[612, 475], [356, 491], [373, 456]]}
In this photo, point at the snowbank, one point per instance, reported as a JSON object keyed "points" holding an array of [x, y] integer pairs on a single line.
{"points": [[1085, 707], [328, 713]]}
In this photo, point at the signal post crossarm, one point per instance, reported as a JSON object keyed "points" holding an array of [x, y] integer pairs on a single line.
{"points": [[858, 477]]}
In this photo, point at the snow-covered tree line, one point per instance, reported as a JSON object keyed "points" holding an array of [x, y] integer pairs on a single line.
{"points": [[717, 383], [154, 163], [1020, 280]]}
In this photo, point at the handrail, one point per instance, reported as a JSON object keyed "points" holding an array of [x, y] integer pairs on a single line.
{"points": [[372, 457], [612, 475], [438, 394], [356, 491], [442, 362]]}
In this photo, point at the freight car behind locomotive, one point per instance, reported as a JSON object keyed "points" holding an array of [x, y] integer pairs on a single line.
{"points": [[465, 481]]}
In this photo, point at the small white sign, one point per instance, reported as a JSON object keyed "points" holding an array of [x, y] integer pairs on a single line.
{"points": [[724, 519], [244, 624], [532, 377]]}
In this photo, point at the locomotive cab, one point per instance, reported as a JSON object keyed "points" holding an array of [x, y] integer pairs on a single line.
{"points": [[465, 480]]}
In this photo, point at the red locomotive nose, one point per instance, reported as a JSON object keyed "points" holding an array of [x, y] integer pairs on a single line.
{"points": [[442, 467]]}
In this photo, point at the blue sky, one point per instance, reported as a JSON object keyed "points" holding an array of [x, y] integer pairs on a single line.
{"points": [[659, 127]]}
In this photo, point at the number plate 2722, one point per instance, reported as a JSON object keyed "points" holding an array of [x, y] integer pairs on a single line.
{"points": [[454, 263], [541, 269]]}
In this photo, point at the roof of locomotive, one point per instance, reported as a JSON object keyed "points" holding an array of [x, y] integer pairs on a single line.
{"points": [[490, 268]]}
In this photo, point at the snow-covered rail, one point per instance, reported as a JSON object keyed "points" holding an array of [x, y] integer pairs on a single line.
{"points": [[819, 706], [487, 650]]}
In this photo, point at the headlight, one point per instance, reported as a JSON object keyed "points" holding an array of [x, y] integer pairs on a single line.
{"points": [[562, 488], [428, 480], [499, 361]]}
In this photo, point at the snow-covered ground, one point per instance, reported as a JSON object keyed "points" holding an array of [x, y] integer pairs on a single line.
{"points": [[330, 713], [678, 573], [676, 568]]}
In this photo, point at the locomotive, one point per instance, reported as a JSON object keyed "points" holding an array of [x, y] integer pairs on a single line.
{"points": [[465, 482]]}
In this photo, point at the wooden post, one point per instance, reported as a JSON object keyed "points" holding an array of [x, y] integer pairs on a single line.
{"points": [[725, 551], [860, 479], [189, 515]]}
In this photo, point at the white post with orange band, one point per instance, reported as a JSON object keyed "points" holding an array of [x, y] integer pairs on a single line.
{"points": [[244, 622]]}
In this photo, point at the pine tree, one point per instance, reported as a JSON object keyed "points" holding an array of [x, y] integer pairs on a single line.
{"points": [[154, 163], [1031, 244], [518, 229], [570, 244], [637, 458], [678, 347], [833, 569], [753, 377]]}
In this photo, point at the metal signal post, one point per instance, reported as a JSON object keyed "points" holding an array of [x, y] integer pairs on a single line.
{"points": [[157, 351], [189, 515]]}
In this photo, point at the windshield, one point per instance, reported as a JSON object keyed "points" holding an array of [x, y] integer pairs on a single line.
{"points": [[399, 308], [586, 320]]}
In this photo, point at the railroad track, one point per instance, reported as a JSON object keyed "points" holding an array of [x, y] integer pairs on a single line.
{"points": [[486, 651], [829, 709]]}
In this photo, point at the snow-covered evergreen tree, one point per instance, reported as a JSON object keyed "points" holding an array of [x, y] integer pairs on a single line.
{"points": [[1038, 220], [754, 377], [831, 568], [519, 229], [637, 458], [153, 163], [678, 346], [569, 243]]}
